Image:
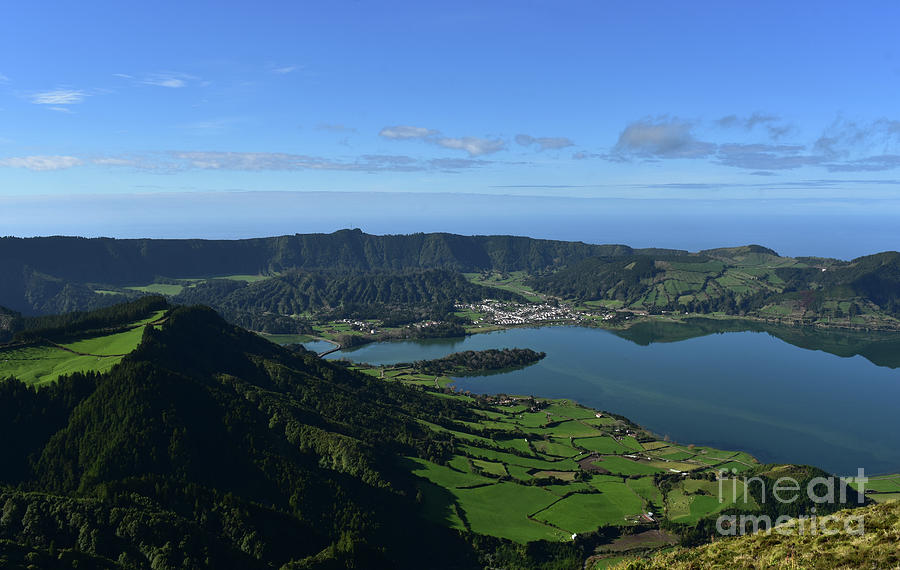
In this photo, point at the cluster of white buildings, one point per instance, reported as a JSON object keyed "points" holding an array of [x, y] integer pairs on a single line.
{"points": [[505, 313]]}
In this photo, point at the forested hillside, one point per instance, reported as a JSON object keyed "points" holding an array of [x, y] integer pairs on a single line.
{"points": [[48, 274], [749, 280], [342, 293], [211, 447]]}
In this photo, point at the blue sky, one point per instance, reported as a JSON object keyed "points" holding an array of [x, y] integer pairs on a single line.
{"points": [[761, 102]]}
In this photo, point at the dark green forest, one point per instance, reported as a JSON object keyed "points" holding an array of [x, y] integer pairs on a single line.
{"points": [[419, 294]]}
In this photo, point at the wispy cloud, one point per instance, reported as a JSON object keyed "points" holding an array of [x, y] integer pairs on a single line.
{"points": [[765, 157], [212, 126], [181, 161], [59, 97], [773, 124], [3, 78], [257, 161], [41, 163], [171, 80], [867, 164], [407, 132], [285, 69], [475, 146], [844, 137], [544, 143]]}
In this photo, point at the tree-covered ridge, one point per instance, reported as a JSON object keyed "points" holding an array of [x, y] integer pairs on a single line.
{"points": [[475, 362], [296, 293], [52, 274], [751, 280], [81, 322]]}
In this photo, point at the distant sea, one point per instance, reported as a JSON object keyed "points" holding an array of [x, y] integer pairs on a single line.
{"points": [[842, 228]]}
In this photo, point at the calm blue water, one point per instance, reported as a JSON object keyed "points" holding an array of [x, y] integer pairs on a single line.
{"points": [[747, 391]]}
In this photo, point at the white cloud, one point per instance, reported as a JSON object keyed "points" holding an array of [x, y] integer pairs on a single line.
{"points": [[473, 145], [41, 163], [661, 138], [170, 80], [3, 78], [59, 97], [407, 132]]}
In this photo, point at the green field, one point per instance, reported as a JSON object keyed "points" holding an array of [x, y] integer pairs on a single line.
{"points": [[624, 466], [586, 512], [159, 288], [503, 510], [693, 499], [524, 483], [44, 363], [513, 282], [646, 489], [602, 444], [111, 345]]}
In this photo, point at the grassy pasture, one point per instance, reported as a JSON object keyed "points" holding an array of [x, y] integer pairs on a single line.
{"points": [[445, 476], [510, 459], [159, 288], [674, 455], [491, 467], [625, 466], [114, 344], [555, 447], [44, 364], [502, 510], [568, 428], [586, 512], [694, 499], [569, 410], [646, 489], [602, 444]]}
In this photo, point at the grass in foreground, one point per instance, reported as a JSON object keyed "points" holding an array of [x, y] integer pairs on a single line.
{"points": [[877, 547]]}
